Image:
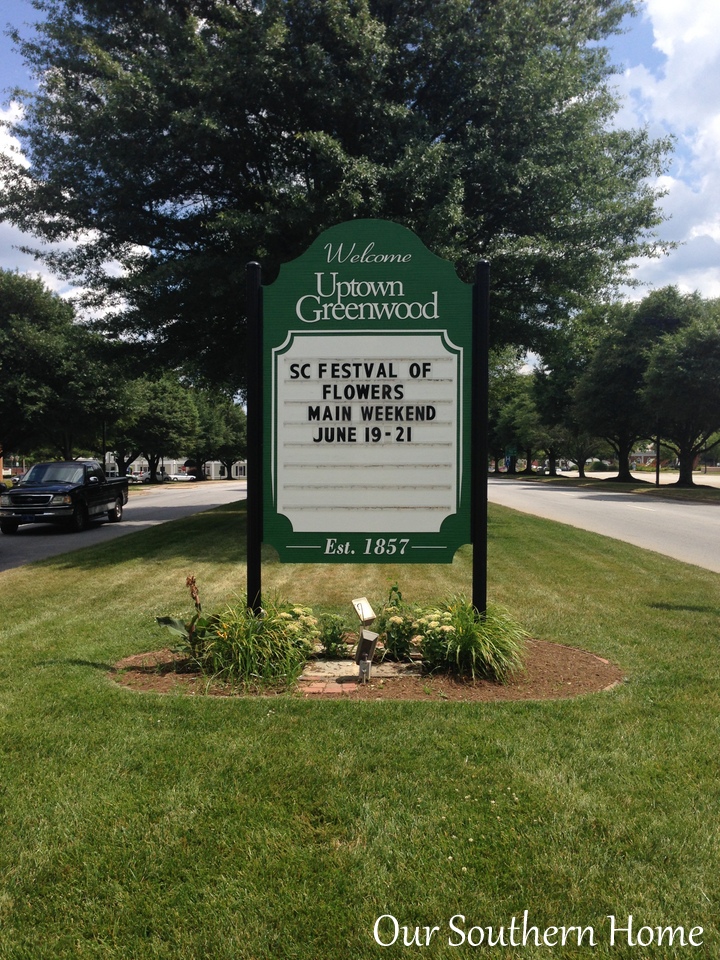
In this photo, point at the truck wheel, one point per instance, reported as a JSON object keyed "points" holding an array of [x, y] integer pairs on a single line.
{"points": [[8, 526], [115, 515], [79, 520]]}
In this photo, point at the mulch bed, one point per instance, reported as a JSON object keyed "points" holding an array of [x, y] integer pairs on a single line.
{"points": [[552, 671]]}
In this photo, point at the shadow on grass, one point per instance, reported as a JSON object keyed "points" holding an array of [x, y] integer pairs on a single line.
{"points": [[635, 487], [202, 537], [74, 662], [685, 607]]}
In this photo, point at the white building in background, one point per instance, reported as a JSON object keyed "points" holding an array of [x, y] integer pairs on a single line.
{"points": [[213, 469]]}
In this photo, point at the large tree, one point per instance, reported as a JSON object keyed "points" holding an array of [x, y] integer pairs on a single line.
{"points": [[519, 427], [58, 386], [609, 397], [34, 325], [234, 445], [566, 354], [504, 372], [682, 387], [178, 139], [221, 431], [167, 421]]}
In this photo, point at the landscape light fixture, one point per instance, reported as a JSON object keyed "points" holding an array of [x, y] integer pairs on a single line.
{"points": [[367, 640]]}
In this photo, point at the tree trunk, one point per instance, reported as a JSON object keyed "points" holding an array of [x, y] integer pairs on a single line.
{"points": [[228, 466], [124, 462], [198, 468], [153, 464], [65, 446], [624, 449], [687, 462]]}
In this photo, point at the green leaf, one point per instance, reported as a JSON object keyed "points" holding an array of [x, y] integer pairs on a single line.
{"points": [[173, 625]]}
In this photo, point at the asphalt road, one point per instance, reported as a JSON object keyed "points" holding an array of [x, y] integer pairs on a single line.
{"points": [[684, 530], [146, 507]]}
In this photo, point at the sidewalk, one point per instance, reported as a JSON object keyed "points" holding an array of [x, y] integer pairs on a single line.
{"points": [[333, 678]]}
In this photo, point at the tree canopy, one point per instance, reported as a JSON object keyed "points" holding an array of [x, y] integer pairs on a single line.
{"points": [[66, 391], [175, 140], [55, 382], [167, 421], [682, 387], [640, 373]]}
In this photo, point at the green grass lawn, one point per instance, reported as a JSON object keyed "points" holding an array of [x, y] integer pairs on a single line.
{"points": [[145, 826]]}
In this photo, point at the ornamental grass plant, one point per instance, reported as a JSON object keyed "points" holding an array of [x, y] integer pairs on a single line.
{"points": [[259, 649], [453, 637], [266, 648], [457, 638]]}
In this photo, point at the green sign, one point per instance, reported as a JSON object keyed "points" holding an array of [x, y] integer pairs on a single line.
{"points": [[366, 352]]}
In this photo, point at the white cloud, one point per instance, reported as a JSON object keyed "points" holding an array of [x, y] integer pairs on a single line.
{"points": [[677, 93], [10, 145], [12, 239], [679, 26]]}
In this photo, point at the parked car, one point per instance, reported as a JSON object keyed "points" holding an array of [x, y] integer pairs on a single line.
{"points": [[175, 477], [72, 492], [142, 476]]}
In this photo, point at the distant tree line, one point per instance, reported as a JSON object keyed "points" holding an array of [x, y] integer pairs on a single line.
{"points": [[611, 378], [67, 391]]}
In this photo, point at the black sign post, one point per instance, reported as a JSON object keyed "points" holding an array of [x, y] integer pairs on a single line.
{"points": [[254, 437], [479, 432]]}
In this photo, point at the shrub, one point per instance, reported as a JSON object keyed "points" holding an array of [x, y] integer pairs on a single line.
{"points": [[396, 627], [259, 649], [397, 631], [456, 637], [433, 628], [253, 649], [332, 635]]}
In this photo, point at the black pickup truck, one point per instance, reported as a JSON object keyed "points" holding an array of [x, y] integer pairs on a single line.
{"points": [[72, 492]]}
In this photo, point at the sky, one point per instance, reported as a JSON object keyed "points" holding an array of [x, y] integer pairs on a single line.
{"points": [[669, 61]]}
